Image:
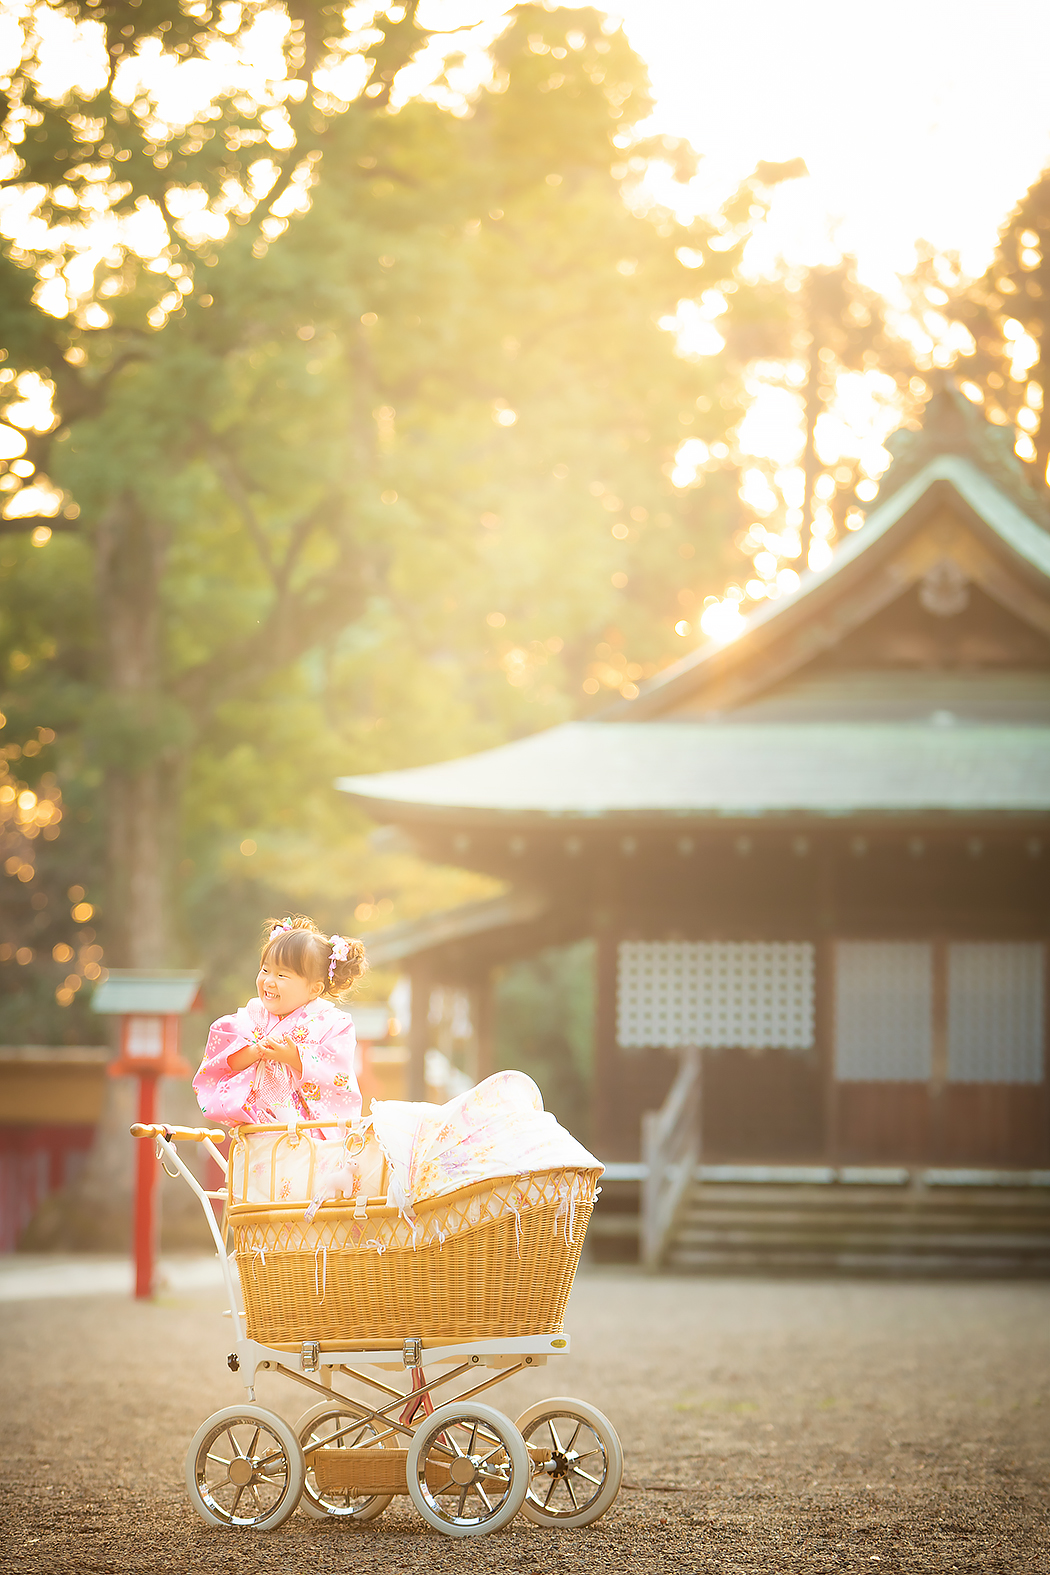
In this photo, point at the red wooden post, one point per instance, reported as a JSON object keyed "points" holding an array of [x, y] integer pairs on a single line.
{"points": [[145, 1234], [149, 1006]]}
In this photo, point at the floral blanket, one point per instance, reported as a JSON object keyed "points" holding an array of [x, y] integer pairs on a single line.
{"points": [[497, 1129]]}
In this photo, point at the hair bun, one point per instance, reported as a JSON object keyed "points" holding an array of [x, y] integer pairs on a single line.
{"points": [[347, 962]]}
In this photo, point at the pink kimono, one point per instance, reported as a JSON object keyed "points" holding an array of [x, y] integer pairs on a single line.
{"points": [[268, 1091]]}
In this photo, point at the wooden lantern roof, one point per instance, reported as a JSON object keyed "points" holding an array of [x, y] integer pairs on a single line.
{"points": [[148, 992]]}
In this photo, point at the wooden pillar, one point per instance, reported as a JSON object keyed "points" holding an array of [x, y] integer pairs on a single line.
{"points": [[419, 1033], [144, 1230], [939, 1053], [607, 1120], [483, 1016], [824, 992]]}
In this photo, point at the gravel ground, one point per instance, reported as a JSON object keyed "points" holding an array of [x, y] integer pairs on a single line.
{"points": [[767, 1426]]}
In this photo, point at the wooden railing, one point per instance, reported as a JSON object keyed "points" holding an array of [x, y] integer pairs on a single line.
{"points": [[671, 1153]]}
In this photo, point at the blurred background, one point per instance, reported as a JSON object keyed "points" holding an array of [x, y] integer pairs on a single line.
{"points": [[379, 385]]}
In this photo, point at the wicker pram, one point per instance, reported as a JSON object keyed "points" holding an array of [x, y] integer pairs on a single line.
{"points": [[336, 1281], [495, 1259]]}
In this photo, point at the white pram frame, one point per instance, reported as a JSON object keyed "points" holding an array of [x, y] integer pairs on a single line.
{"points": [[466, 1466]]}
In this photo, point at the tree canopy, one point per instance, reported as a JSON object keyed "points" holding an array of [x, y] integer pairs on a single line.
{"points": [[354, 459], [1004, 314]]}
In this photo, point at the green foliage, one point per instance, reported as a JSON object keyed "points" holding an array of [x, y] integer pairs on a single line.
{"points": [[1005, 314], [45, 628], [544, 1025], [392, 475]]}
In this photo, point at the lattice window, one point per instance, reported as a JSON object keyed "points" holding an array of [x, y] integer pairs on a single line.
{"points": [[754, 995], [995, 1012], [883, 1011]]}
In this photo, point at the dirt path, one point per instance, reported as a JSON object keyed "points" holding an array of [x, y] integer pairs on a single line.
{"points": [[768, 1426]]}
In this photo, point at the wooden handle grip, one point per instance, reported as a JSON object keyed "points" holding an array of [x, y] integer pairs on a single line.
{"points": [[182, 1134]]}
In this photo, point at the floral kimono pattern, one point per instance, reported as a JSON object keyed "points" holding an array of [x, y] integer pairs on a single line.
{"points": [[268, 1091]]}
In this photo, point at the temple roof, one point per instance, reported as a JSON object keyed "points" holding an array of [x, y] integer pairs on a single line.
{"points": [[952, 424], [1025, 544], [512, 910], [588, 769], [806, 713]]}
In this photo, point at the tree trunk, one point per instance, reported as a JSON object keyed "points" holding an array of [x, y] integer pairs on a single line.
{"points": [[141, 755], [139, 735], [810, 462]]}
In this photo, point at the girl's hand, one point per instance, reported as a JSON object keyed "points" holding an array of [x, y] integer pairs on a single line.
{"points": [[283, 1050], [243, 1058], [273, 1049]]}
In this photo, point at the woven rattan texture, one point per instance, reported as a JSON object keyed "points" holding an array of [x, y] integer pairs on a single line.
{"points": [[363, 1470], [488, 1263]]}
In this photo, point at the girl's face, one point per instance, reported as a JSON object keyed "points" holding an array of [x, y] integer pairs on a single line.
{"points": [[282, 991]]}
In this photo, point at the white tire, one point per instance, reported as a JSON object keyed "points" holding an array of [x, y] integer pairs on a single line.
{"points": [[580, 1475], [316, 1426], [468, 1469], [244, 1469]]}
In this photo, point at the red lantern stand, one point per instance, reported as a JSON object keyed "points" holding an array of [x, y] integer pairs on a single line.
{"points": [[149, 1050]]}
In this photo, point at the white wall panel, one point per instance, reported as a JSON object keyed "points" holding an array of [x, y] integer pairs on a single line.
{"points": [[715, 994], [883, 1011], [995, 1012]]}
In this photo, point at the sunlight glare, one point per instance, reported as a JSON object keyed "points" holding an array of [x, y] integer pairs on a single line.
{"points": [[722, 621], [771, 428], [891, 139]]}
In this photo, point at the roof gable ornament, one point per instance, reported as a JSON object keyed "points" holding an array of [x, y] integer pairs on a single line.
{"points": [[952, 424], [944, 589]]}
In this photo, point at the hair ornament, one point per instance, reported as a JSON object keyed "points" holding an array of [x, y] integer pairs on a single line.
{"points": [[340, 952], [284, 924]]}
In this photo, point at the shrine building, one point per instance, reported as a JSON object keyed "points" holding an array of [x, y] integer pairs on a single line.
{"points": [[815, 859]]}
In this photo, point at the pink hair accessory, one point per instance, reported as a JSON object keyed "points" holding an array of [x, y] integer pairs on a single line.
{"points": [[278, 928], [340, 952]]}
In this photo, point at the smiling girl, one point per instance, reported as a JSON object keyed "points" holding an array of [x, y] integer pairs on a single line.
{"points": [[288, 1054]]}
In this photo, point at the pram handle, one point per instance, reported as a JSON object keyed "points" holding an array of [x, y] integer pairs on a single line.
{"points": [[178, 1134]]}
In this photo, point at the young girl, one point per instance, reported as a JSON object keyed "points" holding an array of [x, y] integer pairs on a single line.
{"points": [[288, 1054]]}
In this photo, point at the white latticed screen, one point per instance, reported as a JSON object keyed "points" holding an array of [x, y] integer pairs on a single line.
{"points": [[883, 1011], [754, 995], [995, 1012]]}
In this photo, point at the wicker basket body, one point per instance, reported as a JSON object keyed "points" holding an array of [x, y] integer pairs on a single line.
{"points": [[490, 1261]]}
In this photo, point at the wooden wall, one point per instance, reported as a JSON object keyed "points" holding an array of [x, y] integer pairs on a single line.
{"points": [[856, 882]]}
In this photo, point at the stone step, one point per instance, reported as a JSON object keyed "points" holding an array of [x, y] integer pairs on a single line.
{"points": [[1026, 1201], [832, 1225], [782, 1219], [791, 1238], [887, 1262], [731, 1228]]}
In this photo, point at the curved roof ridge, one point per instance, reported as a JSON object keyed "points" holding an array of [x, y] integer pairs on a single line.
{"points": [[579, 772], [999, 511]]}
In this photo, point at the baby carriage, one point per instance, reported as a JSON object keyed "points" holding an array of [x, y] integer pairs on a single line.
{"points": [[461, 1291]]}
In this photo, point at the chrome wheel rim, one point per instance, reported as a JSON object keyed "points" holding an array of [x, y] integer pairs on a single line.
{"points": [[464, 1472], [242, 1471], [572, 1470]]}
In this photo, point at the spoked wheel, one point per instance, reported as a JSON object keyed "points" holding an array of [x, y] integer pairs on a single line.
{"points": [[332, 1428], [245, 1469], [468, 1469], [576, 1462]]}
